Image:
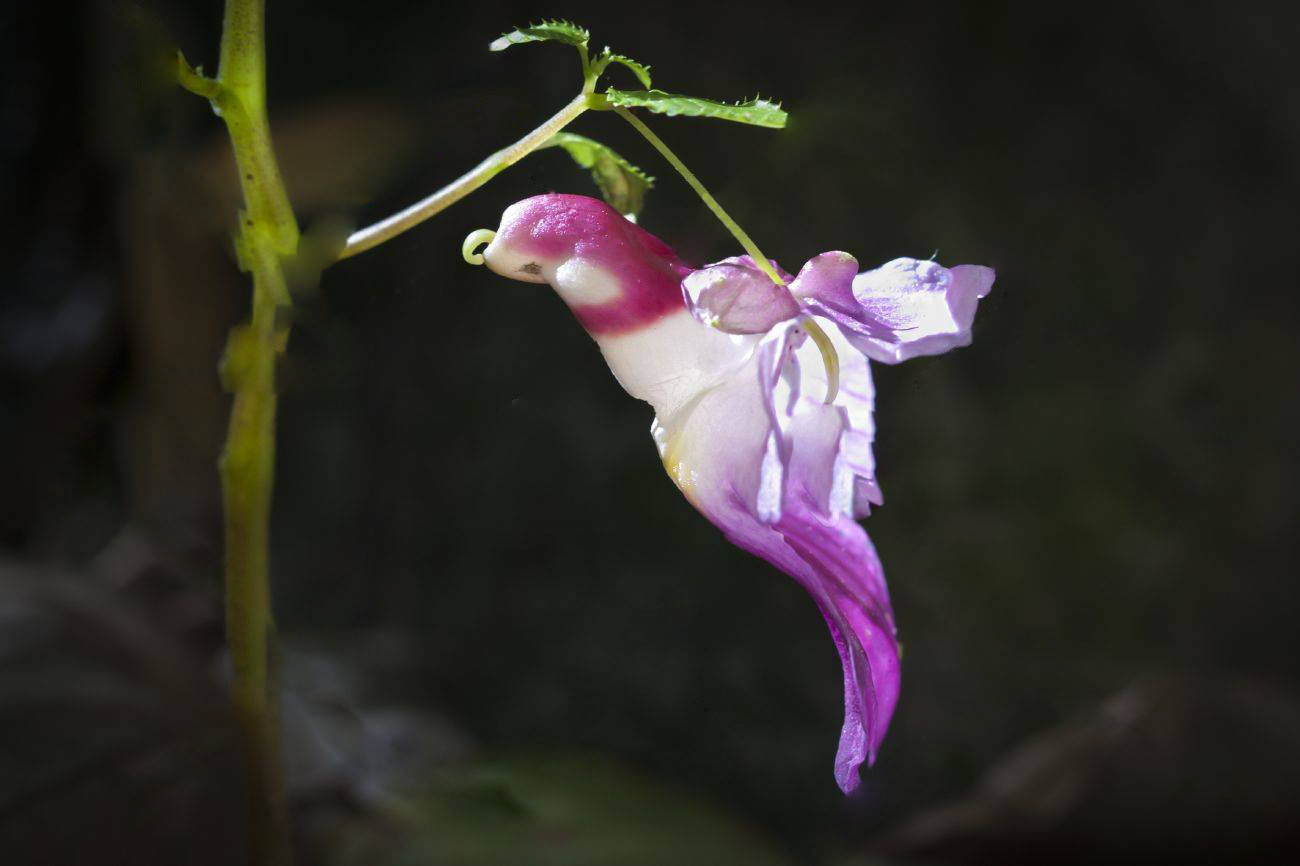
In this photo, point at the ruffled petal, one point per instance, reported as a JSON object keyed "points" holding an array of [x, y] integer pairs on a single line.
{"points": [[852, 487], [735, 296]]}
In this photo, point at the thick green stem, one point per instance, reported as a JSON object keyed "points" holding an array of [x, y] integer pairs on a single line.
{"points": [[385, 229], [241, 102], [267, 231], [247, 475]]}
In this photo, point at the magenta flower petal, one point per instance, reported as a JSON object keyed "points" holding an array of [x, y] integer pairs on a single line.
{"points": [[837, 565], [614, 275]]}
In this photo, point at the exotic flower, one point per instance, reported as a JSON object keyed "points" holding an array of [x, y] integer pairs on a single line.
{"points": [[750, 421]]}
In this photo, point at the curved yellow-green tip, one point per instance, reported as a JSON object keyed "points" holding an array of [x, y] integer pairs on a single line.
{"points": [[476, 239], [830, 358]]}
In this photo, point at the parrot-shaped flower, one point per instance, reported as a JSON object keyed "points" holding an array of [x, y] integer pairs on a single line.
{"points": [[766, 432]]}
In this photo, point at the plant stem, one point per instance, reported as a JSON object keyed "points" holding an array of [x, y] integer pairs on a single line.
{"points": [[388, 228], [732, 226], [267, 231]]}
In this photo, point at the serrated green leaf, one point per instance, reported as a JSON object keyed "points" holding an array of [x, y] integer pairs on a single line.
{"points": [[544, 31], [640, 70], [757, 111], [621, 183]]}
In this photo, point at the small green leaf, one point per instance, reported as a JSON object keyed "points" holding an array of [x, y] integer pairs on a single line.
{"points": [[757, 111], [621, 183], [544, 31], [640, 70]]}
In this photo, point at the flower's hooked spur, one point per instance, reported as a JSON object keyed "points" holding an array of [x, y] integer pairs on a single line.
{"points": [[722, 355]]}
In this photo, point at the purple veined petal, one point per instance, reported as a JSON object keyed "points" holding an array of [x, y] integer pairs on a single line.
{"points": [[837, 565], [849, 584], [736, 297], [911, 307]]}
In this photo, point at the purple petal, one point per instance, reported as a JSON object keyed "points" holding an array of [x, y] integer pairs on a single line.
{"points": [[837, 564], [735, 296], [827, 279], [850, 587], [761, 459], [911, 307], [748, 262]]}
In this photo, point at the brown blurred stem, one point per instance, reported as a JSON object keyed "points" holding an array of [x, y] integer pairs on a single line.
{"points": [[267, 232]]}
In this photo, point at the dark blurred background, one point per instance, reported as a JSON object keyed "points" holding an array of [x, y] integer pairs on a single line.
{"points": [[507, 637]]}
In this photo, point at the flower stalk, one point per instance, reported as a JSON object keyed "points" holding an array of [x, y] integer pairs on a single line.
{"points": [[267, 232], [373, 235], [746, 242]]}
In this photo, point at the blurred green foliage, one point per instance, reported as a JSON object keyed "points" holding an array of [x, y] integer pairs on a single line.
{"points": [[548, 810]]}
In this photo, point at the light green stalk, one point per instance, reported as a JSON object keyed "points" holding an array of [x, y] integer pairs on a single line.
{"points": [[267, 232], [712, 203], [385, 229]]}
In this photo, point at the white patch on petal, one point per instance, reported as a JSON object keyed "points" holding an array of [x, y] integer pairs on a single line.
{"points": [[580, 282], [771, 483], [672, 360], [719, 447]]}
